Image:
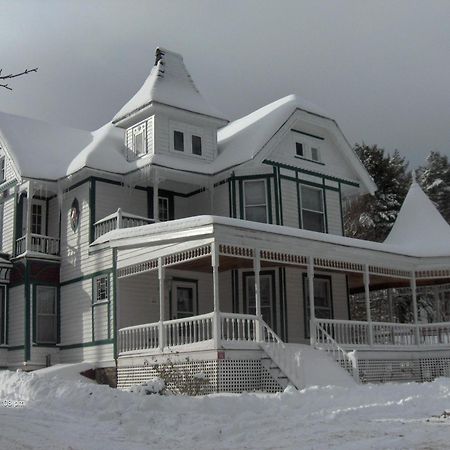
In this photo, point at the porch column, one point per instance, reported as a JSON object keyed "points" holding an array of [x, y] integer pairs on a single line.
{"points": [[391, 306], [211, 198], [367, 298], [155, 196], [216, 318], [161, 278], [257, 273], [414, 305], [312, 307], [437, 304], [28, 225]]}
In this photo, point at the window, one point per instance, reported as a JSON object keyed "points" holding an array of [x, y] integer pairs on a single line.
{"points": [[139, 140], [322, 300], [178, 141], [184, 298], [312, 209], [2, 169], [315, 155], [299, 149], [196, 145], [266, 286], [255, 202], [101, 289], [163, 205], [36, 218], [3, 313], [46, 314]]}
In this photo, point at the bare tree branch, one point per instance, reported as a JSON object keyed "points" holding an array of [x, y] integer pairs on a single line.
{"points": [[14, 75]]}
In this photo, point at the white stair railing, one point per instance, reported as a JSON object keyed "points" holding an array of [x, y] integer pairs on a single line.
{"points": [[347, 360], [238, 327]]}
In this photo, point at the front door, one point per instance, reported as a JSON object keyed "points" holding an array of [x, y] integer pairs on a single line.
{"points": [[184, 299], [267, 296]]}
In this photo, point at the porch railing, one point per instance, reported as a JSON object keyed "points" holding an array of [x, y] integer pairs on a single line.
{"points": [[37, 243], [117, 220], [189, 330], [382, 334], [139, 337], [238, 327]]}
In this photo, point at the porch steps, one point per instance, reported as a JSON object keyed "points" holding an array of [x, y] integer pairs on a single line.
{"points": [[275, 372]]}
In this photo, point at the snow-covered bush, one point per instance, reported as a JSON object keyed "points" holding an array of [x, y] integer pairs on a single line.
{"points": [[154, 386]]}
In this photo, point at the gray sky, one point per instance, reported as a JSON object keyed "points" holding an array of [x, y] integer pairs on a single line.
{"points": [[381, 68]]}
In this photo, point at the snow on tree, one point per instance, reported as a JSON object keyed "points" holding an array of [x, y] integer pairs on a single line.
{"points": [[371, 217], [434, 178]]}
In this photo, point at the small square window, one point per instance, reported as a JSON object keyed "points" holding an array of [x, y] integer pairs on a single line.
{"points": [[178, 141], [101, 286], [299, 149], [315, 155], [196, 145]]}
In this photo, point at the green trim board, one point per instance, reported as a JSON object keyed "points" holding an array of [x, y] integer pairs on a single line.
{"points": [[341, 211], [324, 197], [27, 324], [115, 301], [85, 277], [14, 348], [86, 344], [310, 172], [308, 134], [92, 199], [277, 205]]}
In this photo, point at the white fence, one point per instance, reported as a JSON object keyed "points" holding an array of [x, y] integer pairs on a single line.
{"points": [[37, 243], [117, 220]]}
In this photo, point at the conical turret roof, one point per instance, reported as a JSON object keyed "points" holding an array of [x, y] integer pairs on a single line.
{"points": [[420, 229], [169, 83]]}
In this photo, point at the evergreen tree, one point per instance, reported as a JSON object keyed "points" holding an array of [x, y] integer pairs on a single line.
{"points": [[371, 217], [434, 179]]}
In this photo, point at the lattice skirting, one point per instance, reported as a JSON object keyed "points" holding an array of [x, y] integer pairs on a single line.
{"points": [[222, 376], [420, 370]]}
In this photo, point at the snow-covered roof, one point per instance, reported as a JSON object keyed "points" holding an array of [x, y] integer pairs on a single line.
{"points": [[420, 229], [169, 83]]}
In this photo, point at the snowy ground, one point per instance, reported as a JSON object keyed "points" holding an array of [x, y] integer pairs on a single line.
{"points": [[63, 412]]}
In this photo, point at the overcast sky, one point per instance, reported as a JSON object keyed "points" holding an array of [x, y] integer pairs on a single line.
{"points": [[381, 68]]}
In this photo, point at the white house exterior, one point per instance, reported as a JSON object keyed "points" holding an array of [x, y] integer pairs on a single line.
{"points": [[173, 234]]}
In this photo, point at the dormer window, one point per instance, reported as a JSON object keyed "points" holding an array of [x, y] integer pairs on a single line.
{"points": [[299, 149], [178, 141], [139, 140], [196, 145], [315, 155]]}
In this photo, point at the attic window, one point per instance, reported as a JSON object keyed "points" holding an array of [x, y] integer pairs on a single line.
{"points": [[196, 145], [139, 140], [178, 141], [315, 155], [299, 149]]}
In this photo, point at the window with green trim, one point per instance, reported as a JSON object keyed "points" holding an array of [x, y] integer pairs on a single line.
{"points": [[313, 216], [46, 314], [101, 289], [255, 200]]}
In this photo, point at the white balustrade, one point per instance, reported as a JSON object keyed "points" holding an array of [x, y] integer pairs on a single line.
{"points": [[38, 243], [20, 246], [140, 337], [117, 220], [434, 333], [238, 327], [189, 330]]}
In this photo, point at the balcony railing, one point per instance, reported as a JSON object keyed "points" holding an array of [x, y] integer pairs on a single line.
{"points": [[117, 220], [37, 243]]}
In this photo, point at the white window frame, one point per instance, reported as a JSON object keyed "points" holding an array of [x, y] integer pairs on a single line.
{"points": [[326, 279], [183, 284], [323, 212], [95, 299], [166, 201], [266, 204], [43, 206], [139, 130], [188, 131], [317, 148], [308, 145], [54, 314]]}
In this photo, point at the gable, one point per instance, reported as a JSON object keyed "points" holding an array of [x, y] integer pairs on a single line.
{"points": [[11, 174]]}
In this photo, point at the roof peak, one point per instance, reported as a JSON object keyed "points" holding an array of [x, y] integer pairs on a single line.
{"points": [[171, 84], [420, 226]]}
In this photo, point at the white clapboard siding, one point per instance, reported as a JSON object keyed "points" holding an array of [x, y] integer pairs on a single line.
{"points": [[225, 291], [53, 217], [3, 358], [38, 355], [289, 203], [101, 319], [333, 212], [8, 225], [76, 313], [96, 353], [110, 197], [16, 316], [75, 258], [221, 205], [129, 137], [16, 359]]}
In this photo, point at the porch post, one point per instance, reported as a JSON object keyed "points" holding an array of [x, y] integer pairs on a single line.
{"points": [[367, 297], [155, 196], [215, 269], [28, 225], [257, 273], [391, 306], [211, 198], [312, 307], [414, 305], [437, 304], [161, 278]]}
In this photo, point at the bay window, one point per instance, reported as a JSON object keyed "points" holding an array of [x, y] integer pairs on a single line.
{"points": [[313, 216], [255, 200]]}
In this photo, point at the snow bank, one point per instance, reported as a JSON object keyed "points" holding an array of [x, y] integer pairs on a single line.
{"points": [[63, 414]]}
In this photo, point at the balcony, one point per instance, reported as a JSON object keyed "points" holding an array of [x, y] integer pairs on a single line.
{"points": [[37, 243], [117, 220]]}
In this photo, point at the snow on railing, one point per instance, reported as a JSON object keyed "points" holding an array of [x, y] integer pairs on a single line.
{"points": [[238, 327], [140, 337], [117, 220], [37, 243], [188, 330], [347, 360]]}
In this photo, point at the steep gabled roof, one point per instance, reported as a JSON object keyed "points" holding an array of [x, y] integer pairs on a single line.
{"points": [[171, 84], [420, 229]]}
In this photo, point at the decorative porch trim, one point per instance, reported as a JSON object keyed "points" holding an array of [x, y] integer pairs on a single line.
{"points": [[433, 273]]}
